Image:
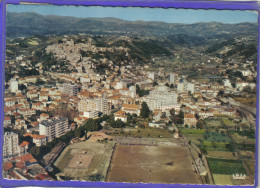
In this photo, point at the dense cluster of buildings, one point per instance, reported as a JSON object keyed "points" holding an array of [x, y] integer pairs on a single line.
{"points": [[28, 106]]}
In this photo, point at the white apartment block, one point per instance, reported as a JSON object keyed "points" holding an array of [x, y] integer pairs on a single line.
{"points": [[171, 77], [161, 98], [185, 87], [54, 128], [13, 85], [69, 89], [91, 114], [11, 144], [94, 104]]}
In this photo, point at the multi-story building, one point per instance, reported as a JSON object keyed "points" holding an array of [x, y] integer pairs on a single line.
{"points": [[190, 119], [161, 98], [54, 128], [69, 89], [91, 114], [13, 85], [171, 77], [11, 144], [185, 87], [94, 104]]}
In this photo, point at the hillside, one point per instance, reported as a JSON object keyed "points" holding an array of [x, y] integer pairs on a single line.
{"points": [[26, 24]]}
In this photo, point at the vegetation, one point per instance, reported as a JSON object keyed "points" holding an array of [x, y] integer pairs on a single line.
{"points": [[223, 166], [141, 92], [145, 111]]}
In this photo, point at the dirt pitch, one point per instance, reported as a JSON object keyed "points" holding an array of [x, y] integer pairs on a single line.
{"points": [[81, 160], [151, 164]]}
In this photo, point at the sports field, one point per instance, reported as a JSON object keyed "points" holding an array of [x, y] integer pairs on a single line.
{"points": [[80, 161], [154, 164]]}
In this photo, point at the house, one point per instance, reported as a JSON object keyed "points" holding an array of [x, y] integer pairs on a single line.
{"points": [[176, 134], [205, 114], [120, 115], [80, 120], [43, 97], [7, 121], [24, 146], [157, 125], [27, 111], [32, 94], [44, 116], [9, 110], [157, 114], [38, 106], [190, 119], [20, 123], [9, 102], [39, 140], [131, 109]]}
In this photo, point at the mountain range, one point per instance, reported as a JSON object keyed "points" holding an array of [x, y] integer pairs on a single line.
{"points": [[29, 23]]}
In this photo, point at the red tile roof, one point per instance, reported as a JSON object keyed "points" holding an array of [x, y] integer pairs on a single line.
{"points": [[189, 116], [20, 165], [8, 166], [24, 143]]}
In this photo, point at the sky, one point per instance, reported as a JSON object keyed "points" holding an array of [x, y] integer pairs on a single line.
{"points": [[170, 15]]}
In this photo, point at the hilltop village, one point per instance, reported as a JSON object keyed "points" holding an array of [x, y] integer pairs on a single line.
{"points": [[74, 88]]}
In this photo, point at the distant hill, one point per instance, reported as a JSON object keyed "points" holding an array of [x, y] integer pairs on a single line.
{"points": [[26, 24]]}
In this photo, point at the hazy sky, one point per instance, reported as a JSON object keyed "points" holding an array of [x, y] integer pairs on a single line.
{"points": [[170, 15]]}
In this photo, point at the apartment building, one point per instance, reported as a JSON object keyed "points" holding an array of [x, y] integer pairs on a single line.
{"points": [[94, 104], [11, 144], [54, 128], [69, 89]]}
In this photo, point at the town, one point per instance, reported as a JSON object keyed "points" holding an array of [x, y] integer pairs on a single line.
{"points": [[70, 93]]}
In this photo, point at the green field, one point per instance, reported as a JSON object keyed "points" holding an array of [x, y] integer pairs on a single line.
{"points": [[220, 179], [213, 123], [195, 138], [142, 133], [251, 166], [226, 167], [216, 146], [216, 137], [192, 131], [228, 122], [247, 147], [248, 133]]}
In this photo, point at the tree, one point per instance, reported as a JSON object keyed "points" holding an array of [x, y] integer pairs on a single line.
{"points": [[79, 132], [117, 124], [39, 81], [145, 111], [164, 115], [96, 177], [137, 88], [247, 89], [200, 124], [204, 150], [181, 115], [22, 87], [155, 83], [172, 112], [221, 93], [35, 151]]}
